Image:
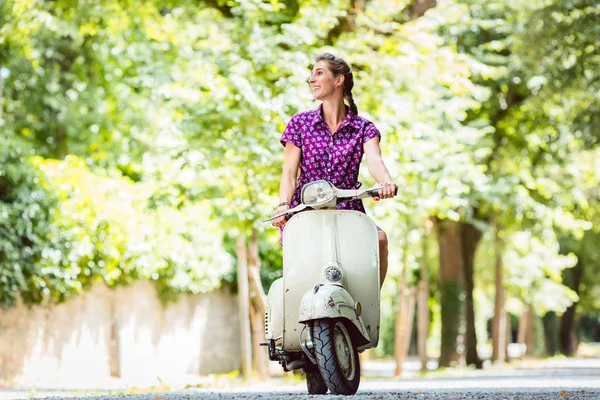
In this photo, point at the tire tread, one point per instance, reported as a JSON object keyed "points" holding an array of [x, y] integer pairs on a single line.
{"points": [[325, 354], [315, 383]]}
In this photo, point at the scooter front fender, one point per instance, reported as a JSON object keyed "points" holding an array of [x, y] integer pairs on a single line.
{"points": [[332, 301]]}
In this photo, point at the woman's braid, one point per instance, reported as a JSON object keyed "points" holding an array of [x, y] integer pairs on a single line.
{"points": [[348, 85]]}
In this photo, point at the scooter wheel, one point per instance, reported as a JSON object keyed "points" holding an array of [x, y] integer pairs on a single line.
{"points": [[315, 383], [337, 357]]}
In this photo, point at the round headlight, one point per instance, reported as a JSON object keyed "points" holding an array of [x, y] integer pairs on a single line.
{"points": [[317, 193], [333, 274]]}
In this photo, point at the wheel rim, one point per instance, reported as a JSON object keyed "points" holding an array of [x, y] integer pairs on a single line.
{"points": [[344, 351]]}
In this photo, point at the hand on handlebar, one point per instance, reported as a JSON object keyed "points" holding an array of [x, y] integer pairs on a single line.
{"points": [[388, 191], [281, 220]]}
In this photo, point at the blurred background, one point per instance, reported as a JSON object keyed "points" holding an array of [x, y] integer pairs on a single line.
{"points": [[139, 150]]}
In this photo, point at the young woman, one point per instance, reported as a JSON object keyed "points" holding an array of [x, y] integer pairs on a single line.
{"points": [[329, 142]]}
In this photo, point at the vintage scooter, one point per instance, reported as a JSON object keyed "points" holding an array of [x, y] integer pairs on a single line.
{"points": [[325, 308]]}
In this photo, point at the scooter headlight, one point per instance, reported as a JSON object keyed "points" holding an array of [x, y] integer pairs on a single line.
{"points": [[317, 193], [333, 274]]}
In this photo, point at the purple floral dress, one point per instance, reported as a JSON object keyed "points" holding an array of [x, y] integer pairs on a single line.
{"points": [[335, 158]]}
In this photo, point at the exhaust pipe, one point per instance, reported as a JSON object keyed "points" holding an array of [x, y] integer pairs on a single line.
{"points": [[296, 364]]}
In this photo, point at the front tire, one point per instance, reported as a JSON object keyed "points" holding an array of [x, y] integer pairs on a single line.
{"points": [[337, 357], [315, 383]]}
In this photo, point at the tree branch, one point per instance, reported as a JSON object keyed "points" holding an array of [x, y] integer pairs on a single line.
{"points": [[221, 6], [348, 22], [513, 98], [416, 9]]}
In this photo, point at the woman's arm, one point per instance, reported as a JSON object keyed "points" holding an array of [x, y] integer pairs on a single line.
{"points": [[377, 168], [291, 163]]}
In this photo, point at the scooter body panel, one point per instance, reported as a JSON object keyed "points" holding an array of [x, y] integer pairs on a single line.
{"points": [[274, 312], [314, 239]]}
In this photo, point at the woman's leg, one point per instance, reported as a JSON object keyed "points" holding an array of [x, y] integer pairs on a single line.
{"points": [[383, 256]]}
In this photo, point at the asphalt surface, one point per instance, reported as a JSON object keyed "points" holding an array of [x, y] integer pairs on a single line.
{"points": [[563, 379], [378, 394]]}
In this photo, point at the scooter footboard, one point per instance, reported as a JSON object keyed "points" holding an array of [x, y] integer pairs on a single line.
{"points": [[333, 301]]}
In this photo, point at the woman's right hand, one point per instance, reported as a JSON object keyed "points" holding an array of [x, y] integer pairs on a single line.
{"points": [[281, 220]]}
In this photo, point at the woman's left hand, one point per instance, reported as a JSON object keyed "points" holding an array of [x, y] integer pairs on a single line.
{"points": [[389, 191]]}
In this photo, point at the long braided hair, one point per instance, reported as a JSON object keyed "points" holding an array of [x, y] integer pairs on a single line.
{"points": [[341, 67]]}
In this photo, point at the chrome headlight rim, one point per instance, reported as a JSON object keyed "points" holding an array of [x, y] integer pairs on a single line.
{"points": [[333, 274], [324, 193]]}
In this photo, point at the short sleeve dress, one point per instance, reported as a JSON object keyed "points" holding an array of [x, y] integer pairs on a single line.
{"points": [[335, 158]]}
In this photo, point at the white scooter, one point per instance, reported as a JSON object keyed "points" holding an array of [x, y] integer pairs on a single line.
{"points": [[325, 308]]}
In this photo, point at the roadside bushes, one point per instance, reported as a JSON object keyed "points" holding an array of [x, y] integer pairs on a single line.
{"points": [[64, 227], [25, 224]]}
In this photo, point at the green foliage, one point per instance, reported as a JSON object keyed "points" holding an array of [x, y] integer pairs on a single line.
{"points": [[71, 89], [78, 227], [137, 135], [564, 60], [588, 254], [387, 328], [451, 300], [25, 222], [270, 256], [535, 272]]}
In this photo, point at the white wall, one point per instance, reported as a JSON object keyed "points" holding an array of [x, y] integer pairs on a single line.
{"points": [[125, 332]]}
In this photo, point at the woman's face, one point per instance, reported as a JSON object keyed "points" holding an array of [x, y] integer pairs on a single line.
{"points": [[323, 83]]}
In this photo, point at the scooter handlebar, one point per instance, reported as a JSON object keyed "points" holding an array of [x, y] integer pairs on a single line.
{"points": [[288, 213], [375, 192], [342, 196], [285, 214]]}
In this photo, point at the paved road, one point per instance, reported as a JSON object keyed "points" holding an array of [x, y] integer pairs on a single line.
{"points": [[563, 379], [379, 394]]}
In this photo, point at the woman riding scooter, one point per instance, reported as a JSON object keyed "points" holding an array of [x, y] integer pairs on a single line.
{"points": [[328, 144]]}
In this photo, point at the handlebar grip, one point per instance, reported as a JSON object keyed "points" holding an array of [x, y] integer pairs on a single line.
{"points": [[375, 193]]}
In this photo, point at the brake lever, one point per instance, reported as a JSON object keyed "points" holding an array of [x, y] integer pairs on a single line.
{"points": [[287, 217], [288, 213]]}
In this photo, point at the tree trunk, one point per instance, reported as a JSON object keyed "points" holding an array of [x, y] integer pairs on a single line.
{"points": [[567, 337], [244, 305], [260, 361], [451, 288], [522, 329], [257, 312], [254, 265], [405, 313], [404, 323], [114, 344], [508, 337], [550, 333], [499, 324], [526, 333], [423, 302], [530, 333], [61, 147], [470, 238]]}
